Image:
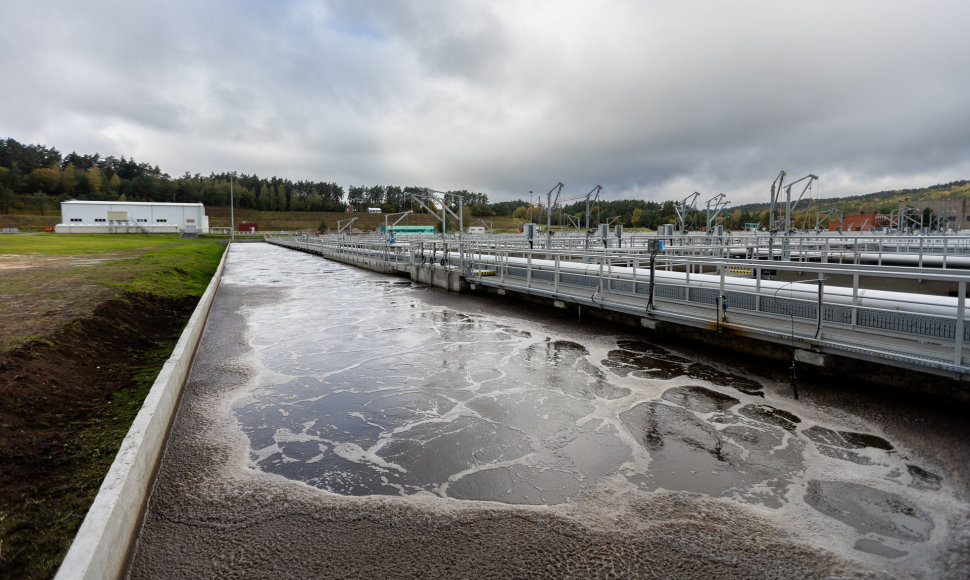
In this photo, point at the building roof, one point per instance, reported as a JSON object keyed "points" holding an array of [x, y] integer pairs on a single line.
{"points": [[867, 222], [88, 202]]}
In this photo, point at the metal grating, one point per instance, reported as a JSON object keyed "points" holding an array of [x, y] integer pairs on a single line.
{"points": [[578, 279], [788, 307], [667, 291], [742, 301], [621, 285], [543, 275], [836, 313], [703, 295], [921, 324]]}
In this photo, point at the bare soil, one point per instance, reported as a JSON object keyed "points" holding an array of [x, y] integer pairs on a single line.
{"points": [[53, 388]]}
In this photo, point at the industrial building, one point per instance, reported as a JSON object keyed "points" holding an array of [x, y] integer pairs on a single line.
{"points": [[948, 214], [132, 217]]}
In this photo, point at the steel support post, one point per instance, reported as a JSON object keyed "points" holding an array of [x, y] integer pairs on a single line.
{"points": [[528, 272], [961, 320]]}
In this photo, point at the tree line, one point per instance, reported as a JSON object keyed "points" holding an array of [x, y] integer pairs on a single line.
{"points": [[35, 178]]}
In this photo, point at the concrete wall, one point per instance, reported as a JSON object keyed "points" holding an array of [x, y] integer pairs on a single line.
{"points": [[181, 216], [439, 277], [852, 372], [119, 229], [101, 547]]}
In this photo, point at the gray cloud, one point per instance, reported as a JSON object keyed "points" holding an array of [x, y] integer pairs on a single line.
{"points": [[655, 99]]}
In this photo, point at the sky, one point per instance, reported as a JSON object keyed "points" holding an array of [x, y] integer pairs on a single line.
{"points": [[650, 99]]}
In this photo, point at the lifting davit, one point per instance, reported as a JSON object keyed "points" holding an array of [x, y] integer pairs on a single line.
{"points": [[776, 186], [712, 213], [683, 208], [791, 206]]}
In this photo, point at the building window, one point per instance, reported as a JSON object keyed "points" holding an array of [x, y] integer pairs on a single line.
{"points": [[161, 220], [142, 220], [75, 219], [190, 221]]}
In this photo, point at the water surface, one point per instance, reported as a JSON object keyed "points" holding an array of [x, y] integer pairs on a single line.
{"points": [[365, 387]]}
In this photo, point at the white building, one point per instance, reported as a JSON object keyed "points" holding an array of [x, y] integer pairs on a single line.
{"points": [[132, 217]]}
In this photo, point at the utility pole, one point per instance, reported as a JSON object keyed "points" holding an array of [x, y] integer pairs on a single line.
{"points": [[232, 210]]}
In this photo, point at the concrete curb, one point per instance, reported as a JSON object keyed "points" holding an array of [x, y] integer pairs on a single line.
{"points": [[102, 544]]}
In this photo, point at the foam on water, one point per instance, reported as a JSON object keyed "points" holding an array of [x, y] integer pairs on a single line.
{"points": [[357, 386]]}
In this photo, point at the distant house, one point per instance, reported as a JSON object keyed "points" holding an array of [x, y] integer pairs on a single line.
{"points": [[132, 217], [855, 223], [861, 222]]}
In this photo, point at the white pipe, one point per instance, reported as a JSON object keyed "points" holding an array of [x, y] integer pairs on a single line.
{"points": [[882, 299], [808, 291]]}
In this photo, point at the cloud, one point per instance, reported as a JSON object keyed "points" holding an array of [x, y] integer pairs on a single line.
{"points": [[655, 99]]}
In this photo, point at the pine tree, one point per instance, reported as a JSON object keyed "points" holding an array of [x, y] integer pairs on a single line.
{"points": [[280, 198], [265, 200], [68, 179], [95, 178]]}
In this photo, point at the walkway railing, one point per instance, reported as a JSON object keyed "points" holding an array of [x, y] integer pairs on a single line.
{"points": [[718, 292]]}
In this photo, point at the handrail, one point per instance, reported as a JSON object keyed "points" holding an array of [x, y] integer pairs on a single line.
{"points": [[705, 290]]}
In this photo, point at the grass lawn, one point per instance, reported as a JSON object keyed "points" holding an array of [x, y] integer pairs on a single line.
{"points": [[86, 322]]}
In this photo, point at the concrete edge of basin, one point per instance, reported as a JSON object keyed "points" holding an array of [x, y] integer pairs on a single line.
{"points": [[103, 542]]}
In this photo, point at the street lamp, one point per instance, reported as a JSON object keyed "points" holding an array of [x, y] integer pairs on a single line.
{"points": [[232, 211], [530, 206]]}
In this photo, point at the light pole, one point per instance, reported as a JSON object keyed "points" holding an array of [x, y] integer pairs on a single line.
{"points": [[530, 206], [232, 211]]}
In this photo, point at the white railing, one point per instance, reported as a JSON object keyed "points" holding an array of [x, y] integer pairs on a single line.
{"points": [[710, 291]]}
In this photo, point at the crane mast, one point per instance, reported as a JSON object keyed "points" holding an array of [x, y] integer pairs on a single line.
{"points": [[791, 207], [683, 208], [712, 213], [776, 186]]}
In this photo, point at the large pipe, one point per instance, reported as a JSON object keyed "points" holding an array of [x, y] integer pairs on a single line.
{"points": [[882, 299], [808, 290], [849, 255]]}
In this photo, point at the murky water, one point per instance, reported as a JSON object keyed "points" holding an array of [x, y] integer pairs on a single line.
{"points": [[364, 386]]}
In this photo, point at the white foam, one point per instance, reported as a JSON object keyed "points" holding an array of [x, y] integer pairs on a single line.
{"points": [[357, 454], [313, 301]]}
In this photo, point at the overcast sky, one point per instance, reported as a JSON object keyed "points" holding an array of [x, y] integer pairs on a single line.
{"points": [[650, 99]]}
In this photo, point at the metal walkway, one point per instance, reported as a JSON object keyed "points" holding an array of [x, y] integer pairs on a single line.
{"points": [[794, 303]]}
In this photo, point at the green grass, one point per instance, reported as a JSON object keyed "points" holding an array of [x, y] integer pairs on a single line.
{"points": [[75, 244], [171, 271], [162, 265], [38, 531]]}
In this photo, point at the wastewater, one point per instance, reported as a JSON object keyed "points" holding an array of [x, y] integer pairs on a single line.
{"points": [[362, 386]]}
